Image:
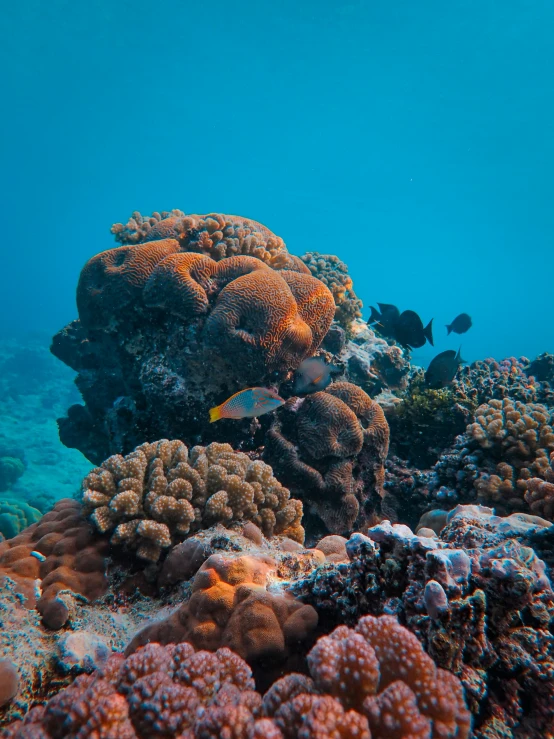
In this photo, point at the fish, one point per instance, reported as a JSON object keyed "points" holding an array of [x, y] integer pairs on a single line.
{"points": [[386, 318], [443, 368], [410, 332], [249, 403], [460, 324], [312, 375]]}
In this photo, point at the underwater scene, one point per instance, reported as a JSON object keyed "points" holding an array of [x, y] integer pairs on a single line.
{"points": [[277, 370]]}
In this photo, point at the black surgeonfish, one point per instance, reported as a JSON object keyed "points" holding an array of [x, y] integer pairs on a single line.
{"points": [[406, 327], [443, 368], [460, 324], [387, 318], [410, 332]]}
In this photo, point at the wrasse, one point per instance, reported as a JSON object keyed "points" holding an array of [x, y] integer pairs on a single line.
{"points": [[249, 403]]}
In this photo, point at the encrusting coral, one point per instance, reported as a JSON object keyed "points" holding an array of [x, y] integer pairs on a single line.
{"points": [[15, 515], [374, 682], [54, 559], [330, 448], [334, 274], [152, 498], [230, 606]]}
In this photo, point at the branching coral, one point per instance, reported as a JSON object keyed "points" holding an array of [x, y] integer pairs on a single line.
{"points": [[216, 235], [539, 492], [330, 448], [231, 606], [154, 496], [62, 554], [332, 272], [519, 437]]}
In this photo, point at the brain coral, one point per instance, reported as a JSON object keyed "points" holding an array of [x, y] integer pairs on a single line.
{"points": [[164, 334], [215, 235], [231, 606], [11, 469], [62, 552], [330, 448], [154, 496], [334, 274]]}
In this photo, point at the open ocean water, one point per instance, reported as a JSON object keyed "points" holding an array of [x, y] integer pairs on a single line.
{"points": [[414, 141]]}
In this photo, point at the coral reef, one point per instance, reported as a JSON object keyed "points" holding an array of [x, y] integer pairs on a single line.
{"points": [[539, 492], [479, 601], [374, 677], [489, 379], [330, 448], [427, 421], [215, 235], [11, 469], [154, 496], [231, 606], [332, 272], [55, 560], [164, 334]]}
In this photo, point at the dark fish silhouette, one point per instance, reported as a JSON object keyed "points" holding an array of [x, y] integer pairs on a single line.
{"points": [[460, 324], [443, 368], [409, 330], [386, 319]]}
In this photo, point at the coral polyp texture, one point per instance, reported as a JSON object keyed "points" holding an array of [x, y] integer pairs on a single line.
{"points": [[478, 599], [330, 448], [171, 327], [215, 235], [152, 498], [374, 681], [55, 560], [232, 606], [334, 273]]}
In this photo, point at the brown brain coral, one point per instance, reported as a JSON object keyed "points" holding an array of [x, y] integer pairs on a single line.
{"points": [[231, 606], [334, 274], [215, 235], [115, 279], [154, 496], [330, 447], [519, 437], [63, 553]]}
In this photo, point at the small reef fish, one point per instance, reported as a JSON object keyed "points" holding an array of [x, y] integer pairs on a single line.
{"points": [[249, 403], [460, 324], [443, 368], [406, 327], [312, 375]]}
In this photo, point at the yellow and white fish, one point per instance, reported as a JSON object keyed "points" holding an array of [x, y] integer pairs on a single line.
{"points": [[249, 403]]}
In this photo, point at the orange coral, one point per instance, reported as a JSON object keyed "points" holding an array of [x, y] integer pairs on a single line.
{"points": [[315, 304], [231, 606], [63, 553], [216, 235], [115, 278]]}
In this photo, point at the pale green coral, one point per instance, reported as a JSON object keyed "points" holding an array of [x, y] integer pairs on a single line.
{"points": [[16, 515]]}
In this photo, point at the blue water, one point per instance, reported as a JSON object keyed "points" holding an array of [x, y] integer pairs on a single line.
{"points": [[414, 140]]}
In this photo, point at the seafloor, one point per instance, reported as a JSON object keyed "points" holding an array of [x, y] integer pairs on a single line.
{"points": [[370, 560]]}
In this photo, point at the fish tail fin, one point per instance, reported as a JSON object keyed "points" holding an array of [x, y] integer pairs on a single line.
{"points": [[448, 329], [459, 357], [215, 413], [428, 332], [375, 315]]}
